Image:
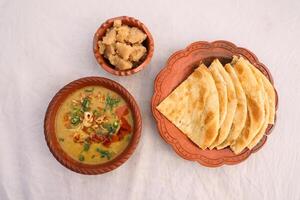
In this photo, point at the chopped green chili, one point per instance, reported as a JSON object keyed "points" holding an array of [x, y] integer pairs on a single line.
{"points": [[85, 104], [75, 120]]}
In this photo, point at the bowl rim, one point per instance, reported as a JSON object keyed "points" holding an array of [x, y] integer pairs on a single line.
{"points": [[49, 126], [103, 62], [159, 118]]}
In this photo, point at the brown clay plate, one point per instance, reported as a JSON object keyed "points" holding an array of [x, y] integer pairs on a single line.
{"points": [[49, 126], [178, 67]]}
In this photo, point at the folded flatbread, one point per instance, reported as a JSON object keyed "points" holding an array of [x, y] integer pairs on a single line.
{"points": [[255, 104], [263, 129], [270, 91], [231, 106], [193, 107], [269, 106], [240, 115], [221, 88]]}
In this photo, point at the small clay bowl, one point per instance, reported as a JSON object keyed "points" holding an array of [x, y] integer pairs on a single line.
{"points": [[132, 22], [178, 67], [50, 135]]}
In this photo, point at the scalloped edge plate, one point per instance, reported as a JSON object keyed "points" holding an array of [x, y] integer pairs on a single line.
{"points": [[178, 67]]}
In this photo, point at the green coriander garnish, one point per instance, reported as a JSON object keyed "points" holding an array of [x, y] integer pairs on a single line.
{"points": [[104, 153], [81, 157], [111, 102], [86, 146], [61, 139]]}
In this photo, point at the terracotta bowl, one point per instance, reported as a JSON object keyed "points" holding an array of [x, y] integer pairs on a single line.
{"points": [[148, 43], [179, 66], [50, 135]]}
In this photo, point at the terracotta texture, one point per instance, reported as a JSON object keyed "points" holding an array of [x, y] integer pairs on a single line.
{"points": [[178, 67], [148, 43], [49, 128]]}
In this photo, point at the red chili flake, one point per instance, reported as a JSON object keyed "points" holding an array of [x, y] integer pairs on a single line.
{"points": [[97, 138], [106, 143]]}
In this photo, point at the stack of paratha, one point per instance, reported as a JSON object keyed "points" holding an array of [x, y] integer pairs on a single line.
{"points": [[220, 106]]}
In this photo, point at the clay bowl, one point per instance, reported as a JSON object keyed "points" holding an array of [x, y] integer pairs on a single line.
{"points": [[50, 134], [148, 43], [178, 67]]}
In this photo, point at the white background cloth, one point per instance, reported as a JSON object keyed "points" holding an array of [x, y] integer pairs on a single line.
{"points": [[47, 44]]}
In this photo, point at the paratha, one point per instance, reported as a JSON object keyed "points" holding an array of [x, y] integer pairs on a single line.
{"points": [[255, 104], [193, 107], [263, 129], [270, 92], [231, 107], [221, 88], [240, 115], [269, 102]]}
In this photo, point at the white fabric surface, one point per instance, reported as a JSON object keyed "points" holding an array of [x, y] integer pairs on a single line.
{"points": [[47, 44]]}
